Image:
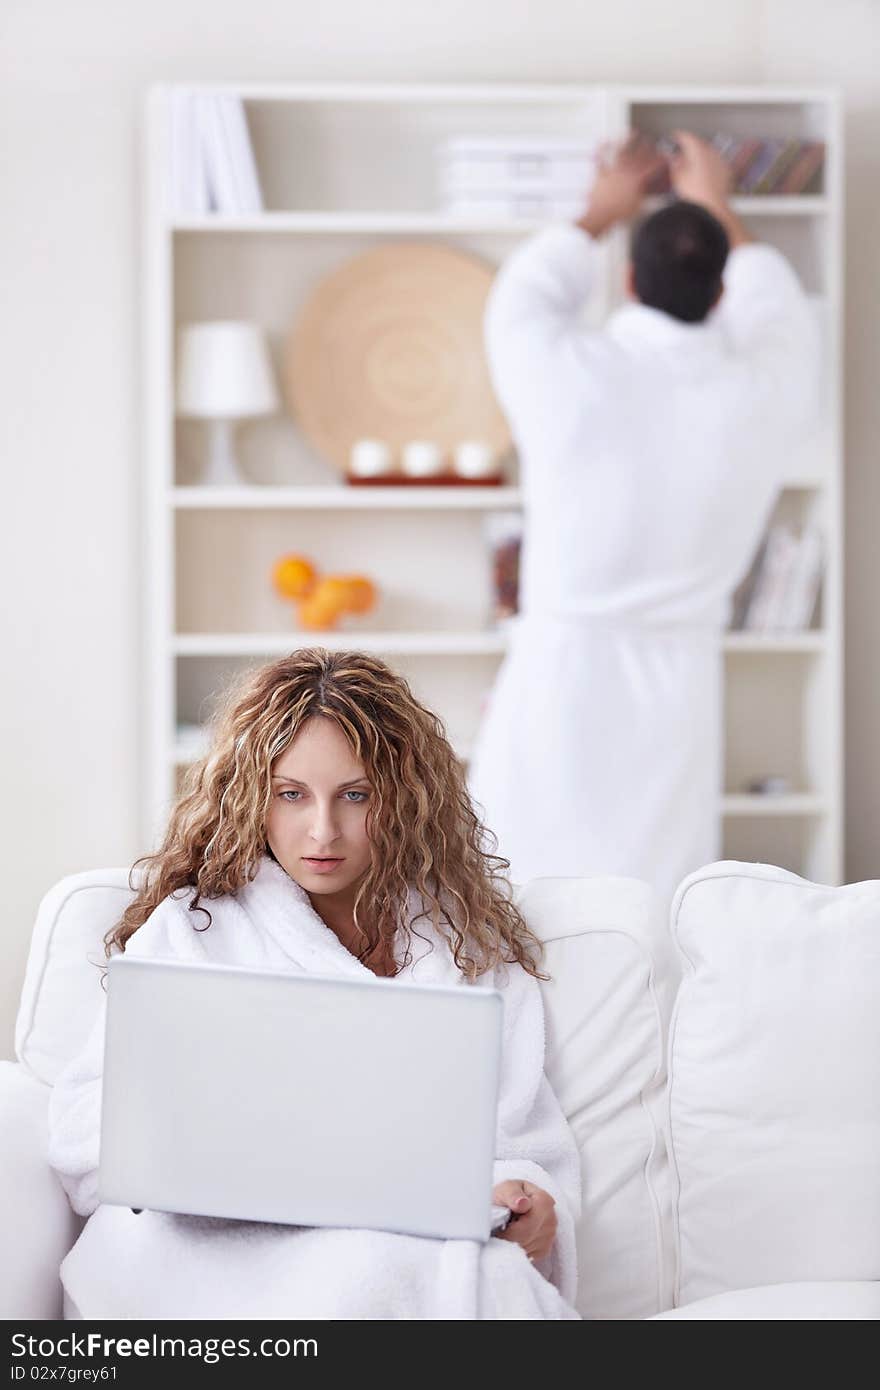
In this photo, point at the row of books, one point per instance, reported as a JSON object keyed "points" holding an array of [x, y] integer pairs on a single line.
{"points": [[212, 161], [771, 166], [780, 593]]}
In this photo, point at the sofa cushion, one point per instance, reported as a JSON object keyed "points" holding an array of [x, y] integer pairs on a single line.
{"points": [[607, 1007], [60, 997], [773, 1111], [845, 1302]]}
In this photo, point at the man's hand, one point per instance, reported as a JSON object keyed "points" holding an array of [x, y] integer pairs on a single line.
{"points": [[533, 1222], [699, 173], [621, 181]]}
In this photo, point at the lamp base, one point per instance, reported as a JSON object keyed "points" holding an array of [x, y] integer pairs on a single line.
{"points": [[221, 468]]}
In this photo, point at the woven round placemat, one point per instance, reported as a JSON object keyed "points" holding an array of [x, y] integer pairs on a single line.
{"points": [[390, 346]]}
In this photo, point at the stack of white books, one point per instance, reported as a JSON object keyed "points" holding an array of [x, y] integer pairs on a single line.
{"points": [[516, 176], [212, 161], [781, 591]]}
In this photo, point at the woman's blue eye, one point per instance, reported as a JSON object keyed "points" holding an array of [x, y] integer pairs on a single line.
{"points": [[356, 797]]}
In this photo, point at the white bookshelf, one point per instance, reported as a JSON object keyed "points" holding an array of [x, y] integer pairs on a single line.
{"points": [[345, 167]]}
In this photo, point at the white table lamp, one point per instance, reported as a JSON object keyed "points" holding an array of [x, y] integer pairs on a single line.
{"points": [[224, 374]]}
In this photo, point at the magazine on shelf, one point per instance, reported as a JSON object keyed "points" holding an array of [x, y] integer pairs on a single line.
{"points": [[189, 183], [212, 162], [802, 593], [781, 590], [777, 165], [743, 593], [780, 167], [217, 155], [767, 603], [244, 170], [760, 166], [804, 169], [741, 156]]}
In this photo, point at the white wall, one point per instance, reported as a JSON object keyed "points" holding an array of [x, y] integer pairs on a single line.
{"points": [[72, 83]]}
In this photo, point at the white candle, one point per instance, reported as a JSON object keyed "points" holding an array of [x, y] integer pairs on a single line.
{"points": [[370, 458], [474, 459], [422, 458]]}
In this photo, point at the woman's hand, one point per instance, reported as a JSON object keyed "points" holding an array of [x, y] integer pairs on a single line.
{"points": [[533, 1221]]}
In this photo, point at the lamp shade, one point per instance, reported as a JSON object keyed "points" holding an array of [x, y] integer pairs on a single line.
{"points": [[224, 371]]}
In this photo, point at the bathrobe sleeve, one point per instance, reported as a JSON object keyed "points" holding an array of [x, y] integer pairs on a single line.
{"points": [[534, 1142], [771, 327], [75, 1101], [540, 353]]}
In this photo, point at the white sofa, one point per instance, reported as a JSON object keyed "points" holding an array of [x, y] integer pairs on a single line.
{"points": [[721, 1073]]}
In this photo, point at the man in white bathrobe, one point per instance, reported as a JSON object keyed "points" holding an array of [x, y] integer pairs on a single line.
{"points": [[651, 452]]}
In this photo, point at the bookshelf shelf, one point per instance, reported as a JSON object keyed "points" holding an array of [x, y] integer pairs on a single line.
{"points": [[342, 498], [356, 224], [789, 205], [801, 804], [439, 224], [210, 550], [437, 643], [270, 644], [765, 205]]}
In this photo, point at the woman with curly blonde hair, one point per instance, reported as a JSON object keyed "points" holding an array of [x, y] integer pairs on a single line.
{"points": [[328, 830]]}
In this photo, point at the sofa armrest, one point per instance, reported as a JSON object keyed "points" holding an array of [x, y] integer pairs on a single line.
{"points": [[37, 1224]]}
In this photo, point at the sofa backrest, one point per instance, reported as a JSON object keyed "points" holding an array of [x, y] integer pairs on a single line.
{"points": [[607, 1007], [773, 1118], [63, 974], [607, 950]]}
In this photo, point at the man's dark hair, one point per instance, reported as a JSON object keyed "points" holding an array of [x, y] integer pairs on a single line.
{"points": [[678, 256]]}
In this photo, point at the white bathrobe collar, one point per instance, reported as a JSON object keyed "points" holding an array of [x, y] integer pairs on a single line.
{"points": [[278, 905], [640, 328]]}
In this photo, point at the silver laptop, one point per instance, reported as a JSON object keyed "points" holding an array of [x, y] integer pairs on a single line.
{"points": [[264, 1096]]}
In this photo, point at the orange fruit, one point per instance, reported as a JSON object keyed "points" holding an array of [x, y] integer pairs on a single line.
{"points": [[316, 614], [294, 576], [331, 591], [362, 593]]}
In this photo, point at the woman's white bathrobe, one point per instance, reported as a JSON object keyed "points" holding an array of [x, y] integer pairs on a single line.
{"points": [[155, 1265], [651, 452]]}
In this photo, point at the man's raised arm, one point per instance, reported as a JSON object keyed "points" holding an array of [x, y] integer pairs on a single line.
{"points": [[539, 293]]}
